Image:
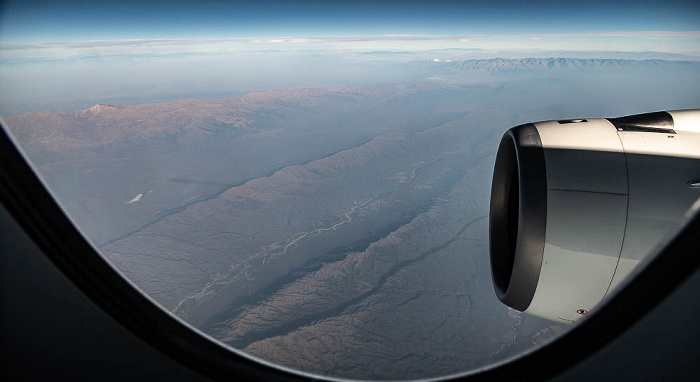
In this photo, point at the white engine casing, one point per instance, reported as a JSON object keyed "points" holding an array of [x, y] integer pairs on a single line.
{"points": [[593, 197]]}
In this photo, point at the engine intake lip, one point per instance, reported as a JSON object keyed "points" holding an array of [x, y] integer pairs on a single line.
{"points": [[518, 216]]}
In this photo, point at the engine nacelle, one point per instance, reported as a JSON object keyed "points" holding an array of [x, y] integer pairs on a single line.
{"points": [[577, 204]]}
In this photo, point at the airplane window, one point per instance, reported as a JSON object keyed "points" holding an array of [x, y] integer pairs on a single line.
{"points": [[310, 183]]}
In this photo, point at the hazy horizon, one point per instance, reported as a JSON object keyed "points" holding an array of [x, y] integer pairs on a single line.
{"points": [[70, 55]]}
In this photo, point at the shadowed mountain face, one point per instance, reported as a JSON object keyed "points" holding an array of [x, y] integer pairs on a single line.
{"points": [[529, 64], [336, 231]]}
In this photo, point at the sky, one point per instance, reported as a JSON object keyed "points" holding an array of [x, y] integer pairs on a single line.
{"points": [[53, 51], [33, 30], [50, 21]]}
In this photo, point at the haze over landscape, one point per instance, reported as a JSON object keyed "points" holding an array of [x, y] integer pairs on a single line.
{"points": [[320, 202]]}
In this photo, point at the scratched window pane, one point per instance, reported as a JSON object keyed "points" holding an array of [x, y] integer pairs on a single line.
{"points": [[309, 184]]}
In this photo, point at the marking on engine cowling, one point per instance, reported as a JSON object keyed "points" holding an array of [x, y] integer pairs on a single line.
{"points": [[582, 311], [567, 121]]}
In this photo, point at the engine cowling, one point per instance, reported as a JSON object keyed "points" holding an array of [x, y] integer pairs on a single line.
{"points": [[577, 204]]}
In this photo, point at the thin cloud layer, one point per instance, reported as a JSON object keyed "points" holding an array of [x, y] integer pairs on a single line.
{"points": [[678, 42]]}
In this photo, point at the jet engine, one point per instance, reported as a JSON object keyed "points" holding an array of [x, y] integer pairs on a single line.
{"points": [[577, 204]]}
